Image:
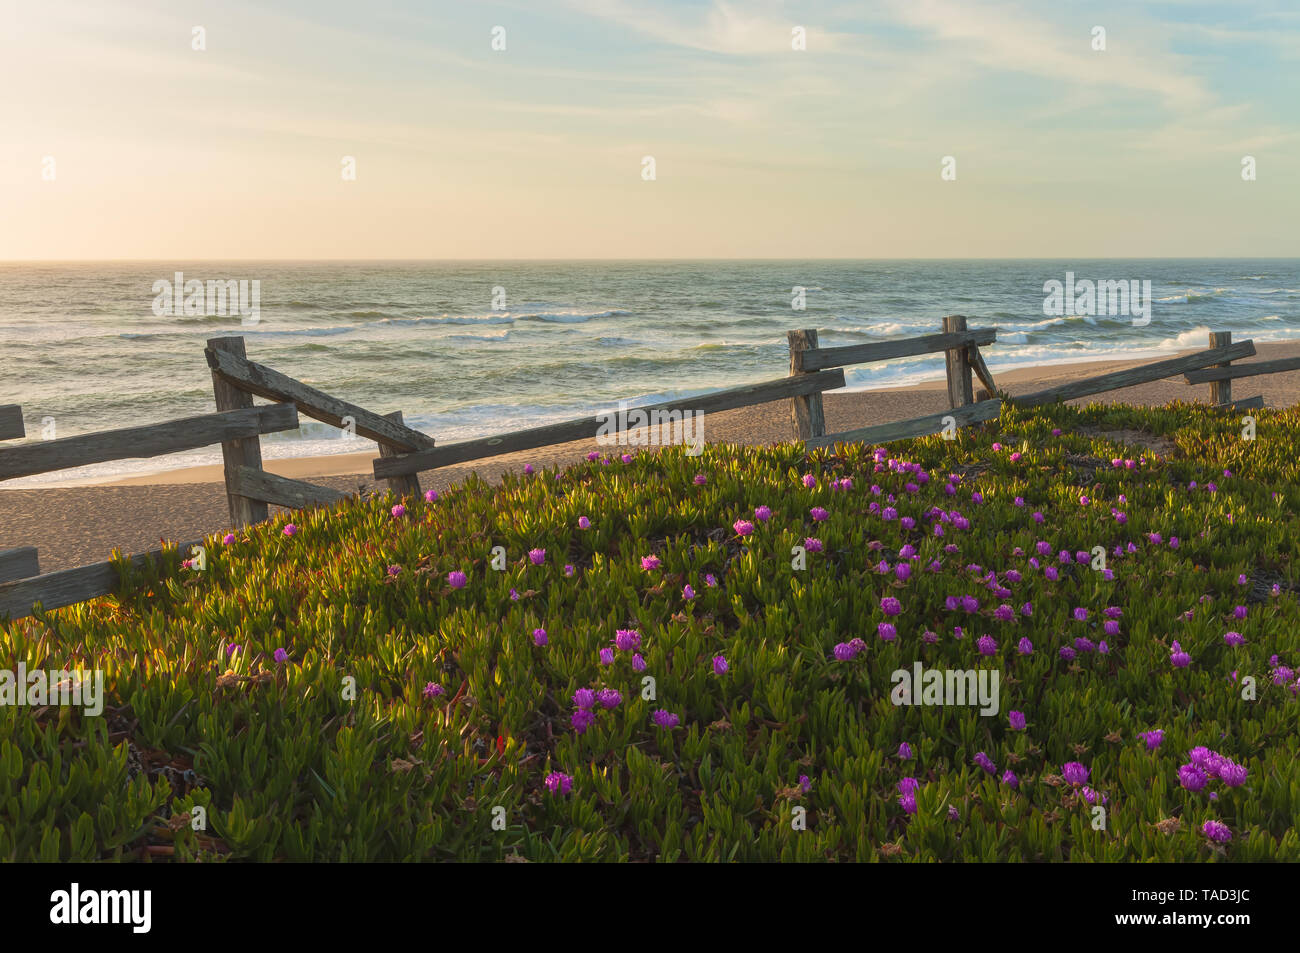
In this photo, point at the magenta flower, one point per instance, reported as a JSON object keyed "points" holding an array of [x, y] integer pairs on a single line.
{"points": [[665, 719], [638, 663], [584, 698], [559, 783], [1232, 774], [903, 571], [905, 751], [1239, 612], [431, 496], [1191, 777], [581, 720], [887, 632], [985, 762], [539, 637], [537, 556], [812, 544], [1234, 638], [804, 783], [626, 458], [232, 649], [229, 539], [701, 479], [890, 606], [1067, 653], [844, 652], [719, 665], [606, 656], [987, 645], [1178, 657], [1074, 773], [1017, 720], [609, 698], [568, 569], [584, 523], [457, 579], [398, 511], [649, 562], [743, 527], [290, 529], [627, 639], [528, 469], [1025, 647], [1009, 778], [432, 690], [281, 656], [762, 514], [1004, 613], [394, 570], [710, 580], [687, 592], [1217, 831], [809, 480], [818, 514], [1153, 738]]}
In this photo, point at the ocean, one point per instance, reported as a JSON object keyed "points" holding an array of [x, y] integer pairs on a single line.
{"points": [[468, 349]]}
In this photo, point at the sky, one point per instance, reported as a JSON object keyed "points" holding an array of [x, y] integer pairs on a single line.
{"points": [[120, 140]]}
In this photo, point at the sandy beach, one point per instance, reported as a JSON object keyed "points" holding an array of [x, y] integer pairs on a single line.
{"points": [[73, 525]]}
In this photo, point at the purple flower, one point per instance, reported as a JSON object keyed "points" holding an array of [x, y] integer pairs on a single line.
{"points": [[1067, 653], [609, 698], [1074, 773], [581, 720], [1017, 719], [907, 802], [229, 539], [987, 645], [457, 579], [432, 690], [1080, 615], [688, 592], [1232, 774], [649, 562], [559, 783], [1191, 777], [818, 514], [1234, 638], [398, 511], [537, 556], [844, 652], [1027, 609], [528, 469], [1153, 738], [710, 580], [665, 719], [905, 751], [281, 656], [1178, 657], [903, 571], [1217, 831], [1009, 778], [627, 639], [743, 527], [232, 649], [431, 496], [584, 523], [1239, 612], [719, 665], [290, 529], [887, 632], [985, 762], [1025, 647], [606, 656], [812, 544], [908, 786], [539, 637], [394, 570], [762, 514], [805, 783], [809, 480], [584, 698], [638, 663]]}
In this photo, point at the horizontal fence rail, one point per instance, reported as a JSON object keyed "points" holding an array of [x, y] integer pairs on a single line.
{"points": [[281, 491], [584, 427], [151, 440], [917, 427], [66, 587], [1137, 375], [820, 358], [1243, 370]]}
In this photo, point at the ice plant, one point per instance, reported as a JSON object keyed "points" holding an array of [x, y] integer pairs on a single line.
{"points": [[398, 511], [539, 637], [1017, 720], [431, 496], [649, 562], [743, 527], [762, 514], [457, 579], [537, 556], [627, 639], [281, 656], [584, 523], [1178, 657], [229, 539], [1153, 738], [1217, 831], [290, 529], [1074, 773], [432, 690], [665, 719], [559, 783], [719, 665]]}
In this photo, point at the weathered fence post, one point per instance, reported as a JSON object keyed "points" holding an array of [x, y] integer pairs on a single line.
{"points": [[400, 485], [807, 414], [1220, 391], [237, 453], [960, 387]]}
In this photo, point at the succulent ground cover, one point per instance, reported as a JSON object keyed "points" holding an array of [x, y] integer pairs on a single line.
{"points": [[692, 658]]}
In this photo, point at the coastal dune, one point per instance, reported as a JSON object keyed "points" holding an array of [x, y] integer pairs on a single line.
{"points": [[75, 524]]}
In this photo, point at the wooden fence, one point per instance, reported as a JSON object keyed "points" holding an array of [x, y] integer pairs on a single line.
{"points": [[403, 452]]}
